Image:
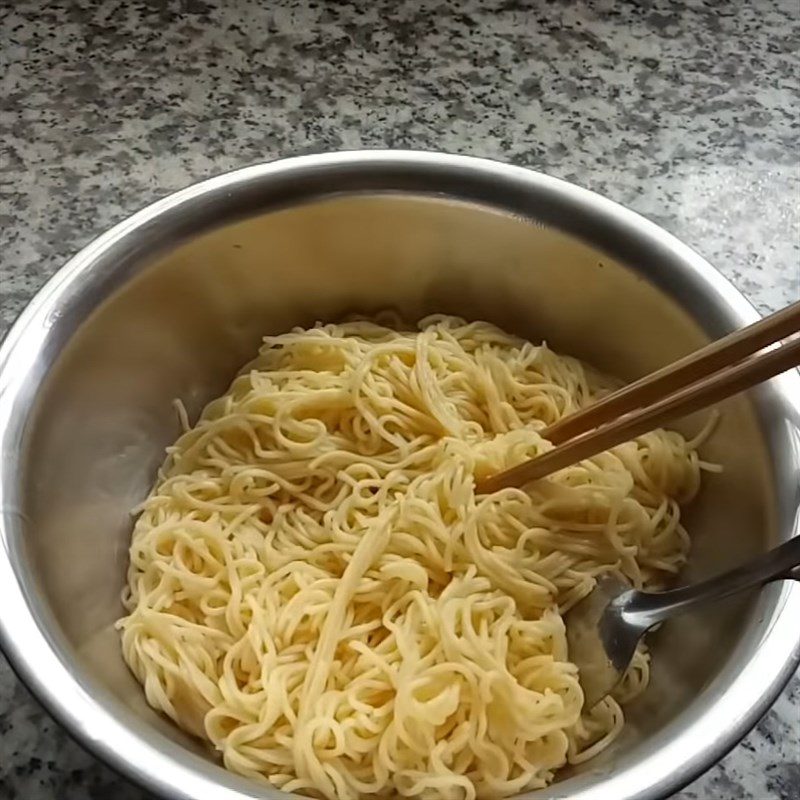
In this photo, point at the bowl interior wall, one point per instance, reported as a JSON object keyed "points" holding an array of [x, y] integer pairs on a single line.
{"points": [[190, 319]]}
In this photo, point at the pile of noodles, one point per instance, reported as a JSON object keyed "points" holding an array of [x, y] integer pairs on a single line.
{"points": [[316, 589]]}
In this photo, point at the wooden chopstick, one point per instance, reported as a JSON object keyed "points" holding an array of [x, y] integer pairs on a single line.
{"points": [[728, 350], [705, 392]]}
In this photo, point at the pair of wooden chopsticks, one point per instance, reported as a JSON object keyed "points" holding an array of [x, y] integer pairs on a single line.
{"points": [[696, 381]]}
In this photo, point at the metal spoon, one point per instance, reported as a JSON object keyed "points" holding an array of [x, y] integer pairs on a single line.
{"points": [[604, 628]]}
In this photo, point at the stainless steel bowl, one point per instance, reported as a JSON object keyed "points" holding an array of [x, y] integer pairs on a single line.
{"points": [[171, 301]]}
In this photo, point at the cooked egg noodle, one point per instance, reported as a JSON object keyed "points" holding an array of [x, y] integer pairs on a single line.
{"points": [[316, 589]]}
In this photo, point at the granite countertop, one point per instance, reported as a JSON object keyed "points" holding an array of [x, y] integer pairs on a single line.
{"points": [[686, 112]]}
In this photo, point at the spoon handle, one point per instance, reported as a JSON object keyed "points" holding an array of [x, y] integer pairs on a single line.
{"points": [[644, 609]]}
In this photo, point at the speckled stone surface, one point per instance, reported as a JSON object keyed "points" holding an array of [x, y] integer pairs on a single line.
{"points": [[686, 112]]}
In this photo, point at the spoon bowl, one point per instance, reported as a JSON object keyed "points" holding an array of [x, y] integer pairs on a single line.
{"points": [[605, 627]]}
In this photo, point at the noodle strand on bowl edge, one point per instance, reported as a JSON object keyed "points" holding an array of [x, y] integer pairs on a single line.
{"points": [[315, 588]]}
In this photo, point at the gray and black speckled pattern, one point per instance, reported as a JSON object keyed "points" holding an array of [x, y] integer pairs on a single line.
{"points": [[686, 112]]}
